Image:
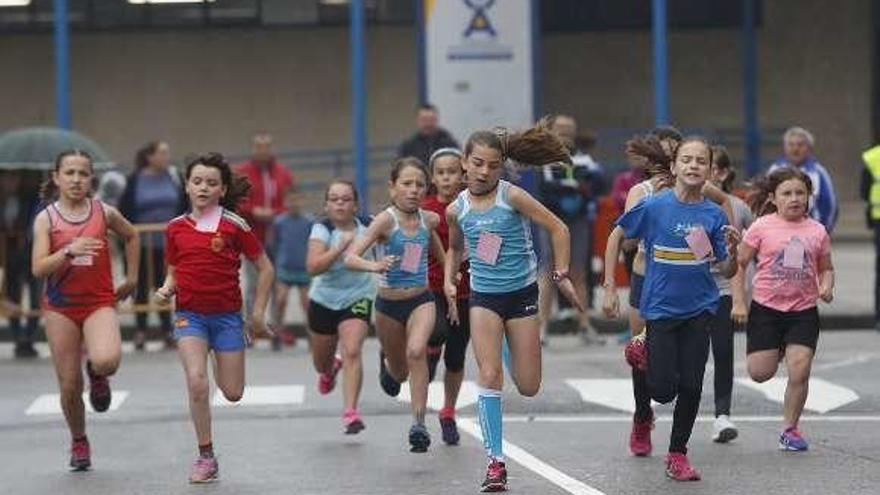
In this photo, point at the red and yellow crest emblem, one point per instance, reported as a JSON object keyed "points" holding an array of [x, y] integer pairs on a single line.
{"points": [[217, 243]]}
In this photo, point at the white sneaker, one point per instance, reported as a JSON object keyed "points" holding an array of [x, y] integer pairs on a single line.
{"points": [[723, 430]]}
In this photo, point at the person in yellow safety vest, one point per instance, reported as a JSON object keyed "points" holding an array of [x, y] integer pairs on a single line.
{"points": [[870, 192]]}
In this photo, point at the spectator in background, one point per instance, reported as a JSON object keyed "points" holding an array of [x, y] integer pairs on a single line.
{"points": [[869, 190], [289, 243], [269, 180], [570, 192], [798, 146], [17, 211], [624, 181], [153, 194], [429, 136]]}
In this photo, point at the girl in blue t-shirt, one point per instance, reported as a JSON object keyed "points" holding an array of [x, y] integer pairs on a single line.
{"points": [[683, 233], [405, 308], [340, 300], [492, 218]]}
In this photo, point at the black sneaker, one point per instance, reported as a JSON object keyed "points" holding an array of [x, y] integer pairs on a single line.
{"points": [[419, 439], [449, 430], [388, 383], [25, 350], [100, 394], [434, 354], [496, 477]]}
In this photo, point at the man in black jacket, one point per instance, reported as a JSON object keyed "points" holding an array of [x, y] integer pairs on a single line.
{"points": [[429, 136]]}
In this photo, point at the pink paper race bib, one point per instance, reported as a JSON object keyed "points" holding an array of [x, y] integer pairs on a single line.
{"points": [[699, 243], [412, 255], [210, 220], [793, 256], [488, 247]]}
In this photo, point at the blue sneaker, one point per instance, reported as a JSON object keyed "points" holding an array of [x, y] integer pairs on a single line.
{"points": [[419, 439], [792, 441], [388, 383]]}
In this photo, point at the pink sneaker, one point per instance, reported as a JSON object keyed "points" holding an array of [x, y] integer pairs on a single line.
{"points": [[327, 381], [80, 455], [352, 422], [204, 470], [679, 468], [636, 352], [640, 437]]}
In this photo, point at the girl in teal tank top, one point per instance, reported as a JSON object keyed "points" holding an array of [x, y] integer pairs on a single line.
{"points": [[492, 218], [405, 310]]}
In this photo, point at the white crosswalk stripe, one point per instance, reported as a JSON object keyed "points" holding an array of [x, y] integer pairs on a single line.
{"points": [[613, 393], [51, 403], [467, 396], [264, 395], [823, 397]]}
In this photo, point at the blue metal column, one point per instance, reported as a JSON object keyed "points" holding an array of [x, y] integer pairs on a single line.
{"points": [[750, 89], [62, 64], [537, 81], [359, 102], [421, 27], [661, 66]]}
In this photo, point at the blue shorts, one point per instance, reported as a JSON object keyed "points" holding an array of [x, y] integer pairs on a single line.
{"points": [[521, 303], [224, 332], [293, 279], [400, 309]]}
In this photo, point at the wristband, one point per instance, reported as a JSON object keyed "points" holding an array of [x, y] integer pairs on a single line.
{"points": [[558, 275]]}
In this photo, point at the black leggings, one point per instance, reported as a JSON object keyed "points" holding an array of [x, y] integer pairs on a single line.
{"points": [[677, 353], [454, 336], [157, 256], [722, 356]]}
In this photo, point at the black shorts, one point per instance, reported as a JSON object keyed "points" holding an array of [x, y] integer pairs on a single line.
{"points": [[325, 321], [454, 336], [636, 282], [769, 329], [520, 303], [401, 309]]}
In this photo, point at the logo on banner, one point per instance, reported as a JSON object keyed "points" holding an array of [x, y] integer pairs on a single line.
{"points": [[480, 39], [480, 21]]}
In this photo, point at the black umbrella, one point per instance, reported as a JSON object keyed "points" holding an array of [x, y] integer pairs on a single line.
{"points": [[35, 148]]}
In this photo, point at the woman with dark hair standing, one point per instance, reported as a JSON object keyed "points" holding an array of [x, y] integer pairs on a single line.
{"points": [[153, 194]]}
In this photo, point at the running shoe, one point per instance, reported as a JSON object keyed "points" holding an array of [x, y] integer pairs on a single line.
{"points": [[204, 470], [723, 430], [434, 354], [419, 439], [327, 381], [792, 441], [679, 468], [496, 477], [100, 394], [388, 383], [352, 422], [80, 455], [640, 436], [448, 427], [636, 352]]}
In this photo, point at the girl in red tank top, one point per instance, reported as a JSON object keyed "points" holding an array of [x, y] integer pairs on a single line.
{"points": [[71, 252], [447, 176]]}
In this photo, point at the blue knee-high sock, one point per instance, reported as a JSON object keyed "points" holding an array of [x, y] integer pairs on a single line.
{"points": [[489, 405], [505, 355]]}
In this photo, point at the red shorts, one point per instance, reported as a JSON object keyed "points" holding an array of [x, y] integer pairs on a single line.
{"points": [[78, 314]]}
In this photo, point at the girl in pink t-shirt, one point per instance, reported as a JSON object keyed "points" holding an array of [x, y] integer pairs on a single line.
{"points": [[794, 271]]}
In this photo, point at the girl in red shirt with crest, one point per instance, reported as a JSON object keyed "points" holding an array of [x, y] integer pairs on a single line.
{"points": [[203, 253], [71, 251]]}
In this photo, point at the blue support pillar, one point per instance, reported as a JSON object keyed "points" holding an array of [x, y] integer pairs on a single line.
{"points": [[357, 23], [661, 65], [62, 64], [421, 62], [751, 129]]}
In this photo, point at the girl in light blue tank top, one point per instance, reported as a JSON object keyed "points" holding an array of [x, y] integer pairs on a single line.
{"points": [[340, 299], [399, 245], [405, 310], [491, 219]]}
